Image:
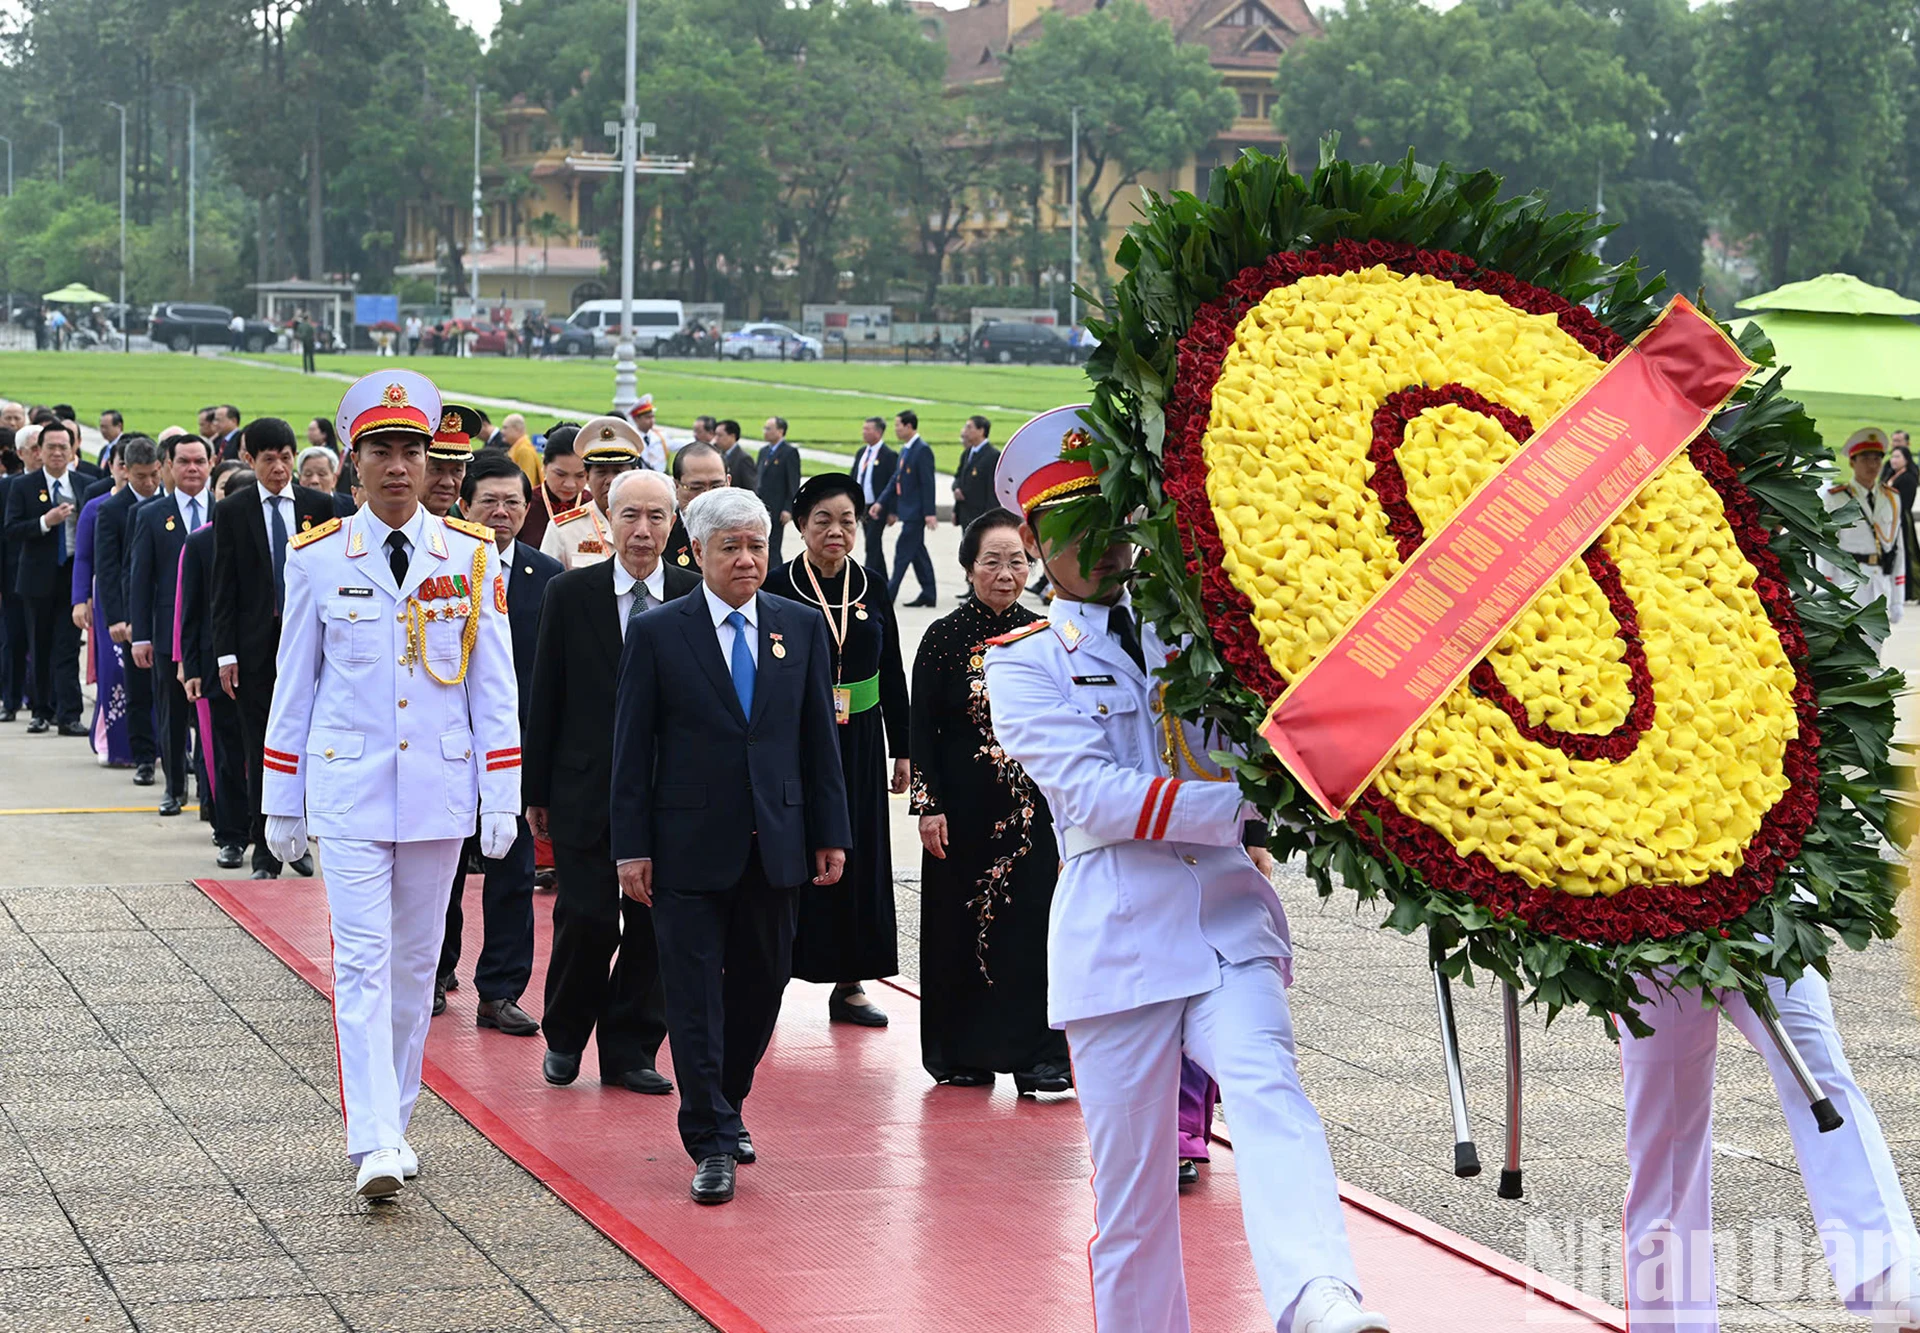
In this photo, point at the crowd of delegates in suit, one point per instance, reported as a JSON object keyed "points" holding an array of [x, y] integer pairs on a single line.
{"points": [[170, 558]]}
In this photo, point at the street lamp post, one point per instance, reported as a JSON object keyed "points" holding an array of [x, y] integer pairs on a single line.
{"points": [[123, 224], [9, 143], [1073, 233], [625, 387], [193, 107], [473, 245]]}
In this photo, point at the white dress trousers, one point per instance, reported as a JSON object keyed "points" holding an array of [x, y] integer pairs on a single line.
{"points": [[1127, 1074], [388, 903], [1857, 1202]]}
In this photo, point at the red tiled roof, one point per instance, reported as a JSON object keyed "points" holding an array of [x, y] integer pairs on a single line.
{"points": [[977, 36]]}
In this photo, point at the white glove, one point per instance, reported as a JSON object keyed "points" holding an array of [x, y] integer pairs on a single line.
{"points": [[287, 836], [497, 833]]}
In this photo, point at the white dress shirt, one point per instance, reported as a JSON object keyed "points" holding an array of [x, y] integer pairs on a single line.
{"points": [[623, 585], [201, 500], [720, 611], [868, 458], [267, 500], [61, 490]]}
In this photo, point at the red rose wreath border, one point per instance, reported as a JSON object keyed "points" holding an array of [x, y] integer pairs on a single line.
{"points": [[1641, 911]]}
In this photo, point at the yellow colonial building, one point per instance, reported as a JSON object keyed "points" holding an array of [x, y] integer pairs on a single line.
{"points": [[1244, 39]]}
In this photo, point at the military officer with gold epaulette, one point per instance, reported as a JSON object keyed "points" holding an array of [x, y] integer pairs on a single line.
{"points": [[1164, 939], [448, 453], [1870, 531], [394, 724], [583, 536]]}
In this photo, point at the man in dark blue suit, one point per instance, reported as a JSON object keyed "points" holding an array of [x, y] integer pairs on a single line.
{"points": [[496, 493], [43, 510], [727, 796], [223, 745], [111, 548], [915, 508], [13, 611], [873, 469], [160, 527]]}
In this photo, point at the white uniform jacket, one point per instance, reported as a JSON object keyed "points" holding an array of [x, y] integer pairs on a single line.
{"points": [[364, 745], [1156, 889], [1874, 530], [579, 536]]}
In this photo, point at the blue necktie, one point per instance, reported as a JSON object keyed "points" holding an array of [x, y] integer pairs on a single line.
{"points": [[61, 545], [742, 663], [279, 556], [193, 513]]}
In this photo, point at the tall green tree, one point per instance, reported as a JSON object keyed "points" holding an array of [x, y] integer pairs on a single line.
{"points": [[1533, 89], [1799, 122], [1147, 103]]}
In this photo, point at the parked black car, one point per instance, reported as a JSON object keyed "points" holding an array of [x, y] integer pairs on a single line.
{"points": [[183, 326], [1025, 343]]}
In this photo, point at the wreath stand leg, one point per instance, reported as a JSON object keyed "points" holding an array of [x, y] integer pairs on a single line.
{"points": [[1466, 1158], [1825, 1115], [1510, 1022]]}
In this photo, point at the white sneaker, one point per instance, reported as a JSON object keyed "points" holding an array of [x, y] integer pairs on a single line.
{"points": [[381, 1175], [409, 1161], [1328, 1306]]}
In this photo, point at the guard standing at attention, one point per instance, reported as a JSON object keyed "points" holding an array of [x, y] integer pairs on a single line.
{"points": [[1164, 938], [582, 536], [1871, 531], [394, 723]]}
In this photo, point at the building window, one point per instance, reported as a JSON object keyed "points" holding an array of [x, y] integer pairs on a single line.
{"points": [[1248, 16], [1249, 106], [1267, 103], [1062, 185]]}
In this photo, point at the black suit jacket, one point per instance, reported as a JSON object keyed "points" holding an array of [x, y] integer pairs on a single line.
{"points": [[567, 767], [245, 624], [194, 606], [9, 560], [973, 479], [111, 547], [884, 465], [742, 471], [40, 572], [680, 548], [913, 497], [779, 478], [526, 594], [96, 490], [153, 570], [697, 783]]}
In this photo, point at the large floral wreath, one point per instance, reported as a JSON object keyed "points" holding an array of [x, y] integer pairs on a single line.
{"points": [[1673, 765]]}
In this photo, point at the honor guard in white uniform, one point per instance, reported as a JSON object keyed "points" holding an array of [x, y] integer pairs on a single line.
{"points": [[583, 535], [394, 724], [1163, 939], [653, 445], [1858, 1206], [1873, 537]]}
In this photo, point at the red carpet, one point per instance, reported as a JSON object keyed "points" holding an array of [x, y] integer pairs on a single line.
{"points": [[880, 1203]]}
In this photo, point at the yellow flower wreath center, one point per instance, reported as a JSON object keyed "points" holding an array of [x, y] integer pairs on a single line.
{"points": [[1306, 541]]}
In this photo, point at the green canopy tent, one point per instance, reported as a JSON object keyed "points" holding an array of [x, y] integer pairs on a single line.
{"points": [[1851, 351], [75, 294]]}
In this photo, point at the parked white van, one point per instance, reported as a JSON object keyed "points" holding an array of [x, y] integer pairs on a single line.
{"points": [[653, 321]]}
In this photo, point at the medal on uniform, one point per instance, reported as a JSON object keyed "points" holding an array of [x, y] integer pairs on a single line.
{"points": [[169, 524], [685, 558], [500, 593], [591, 546], [842, 703], [779, 648], [860, 611]]}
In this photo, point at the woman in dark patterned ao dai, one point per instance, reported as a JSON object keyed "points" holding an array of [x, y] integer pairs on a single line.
{"points": [[846, 932], [989, 864]]}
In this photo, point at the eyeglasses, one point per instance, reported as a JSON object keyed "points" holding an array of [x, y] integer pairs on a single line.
{"points": [[702, 487], [1018, 565]]}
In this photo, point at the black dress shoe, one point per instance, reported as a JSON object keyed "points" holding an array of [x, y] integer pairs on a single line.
{"points": [[1044, 1078], [439, 997], [922, 601], [1189, 1172], [713, 1180], [143, 775], [73, 729], [7, 714], [649, 1081], [302, 866], [841, 1010], [171, 806], [560, 1068], [505, 1016], [743, 1153], [264, 873], [38, 725], [230, 858], [448, 981], [545, 879], [969, 1078]]}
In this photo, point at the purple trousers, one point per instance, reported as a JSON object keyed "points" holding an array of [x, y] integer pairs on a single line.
{"points": [[1198, 1093]]}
